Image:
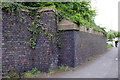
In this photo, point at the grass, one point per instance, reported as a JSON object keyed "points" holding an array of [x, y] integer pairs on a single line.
{"points": [[31, 72], [14, 75], [109, 45], [64, 68], [24, 74]]}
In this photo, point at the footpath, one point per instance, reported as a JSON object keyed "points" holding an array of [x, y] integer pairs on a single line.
{"points": [[104, 66]]}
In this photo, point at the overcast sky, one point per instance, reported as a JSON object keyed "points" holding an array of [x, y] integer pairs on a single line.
{"points": [[107, 13]]}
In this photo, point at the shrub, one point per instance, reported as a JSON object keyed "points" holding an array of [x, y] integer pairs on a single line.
{"points": [[14, 75], [109, 45], [64, 68], [31, 72]]}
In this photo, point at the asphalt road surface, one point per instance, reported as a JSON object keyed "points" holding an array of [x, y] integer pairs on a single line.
{"points": [[104, 66]]}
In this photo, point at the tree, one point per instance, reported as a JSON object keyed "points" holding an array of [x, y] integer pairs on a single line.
{"points": [[79, 12], [113, 34], [110, 36]]}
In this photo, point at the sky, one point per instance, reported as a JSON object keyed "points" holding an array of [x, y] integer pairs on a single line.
{"points": [[107, 13]]}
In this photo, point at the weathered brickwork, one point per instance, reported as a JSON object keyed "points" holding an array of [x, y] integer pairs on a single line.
{"points": [[18, 56], [46, 49], [79, 46], [87, 45], [66, 53]]}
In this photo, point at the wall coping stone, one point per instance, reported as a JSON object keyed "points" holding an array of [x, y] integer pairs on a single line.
{"points": [[42, 9], [67, 24]]}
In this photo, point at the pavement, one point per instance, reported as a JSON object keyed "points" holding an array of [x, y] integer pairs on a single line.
{"points": [[104, 66]]}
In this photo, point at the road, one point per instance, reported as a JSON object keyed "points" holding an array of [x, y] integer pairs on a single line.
{"points": [[104, 66]]}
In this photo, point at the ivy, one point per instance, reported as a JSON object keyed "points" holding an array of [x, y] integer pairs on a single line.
{"points": [[80, 12], [59, 44], [34, 28], [13, 5]]}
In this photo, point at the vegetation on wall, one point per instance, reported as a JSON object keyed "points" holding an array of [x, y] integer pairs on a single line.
{"points": [[12, 6], [35, 27], [80, 12], [59, 44], [35, 30], [111, 34]]}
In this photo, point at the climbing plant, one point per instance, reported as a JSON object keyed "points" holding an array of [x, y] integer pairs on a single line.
{"points": [[80, 12], [35, 27], [13, 5], [58, 39], [34, 30]]}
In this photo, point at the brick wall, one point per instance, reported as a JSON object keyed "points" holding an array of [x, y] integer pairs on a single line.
{"points": [[66, 53], [78, 46], [18, 56], [87, 45], [46, 49], [16, 52]]}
